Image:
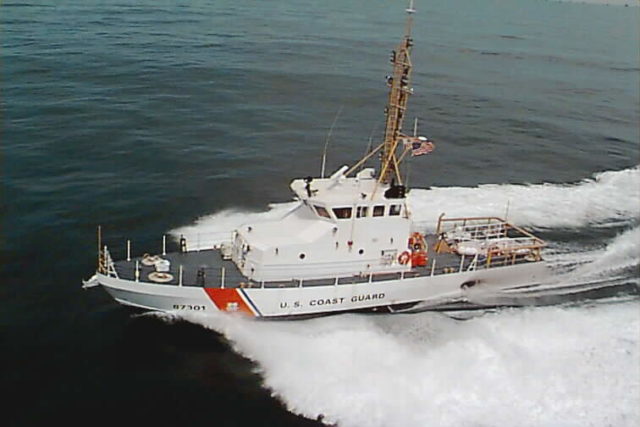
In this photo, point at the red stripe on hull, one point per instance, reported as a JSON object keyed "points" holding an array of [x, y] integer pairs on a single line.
{"points": [[228, 300]]}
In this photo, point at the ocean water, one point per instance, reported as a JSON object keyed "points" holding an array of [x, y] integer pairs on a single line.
{"points": [[192, 117]]}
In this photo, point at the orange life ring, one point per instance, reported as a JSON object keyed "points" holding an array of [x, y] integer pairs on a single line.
{"points": [[404, 257]]}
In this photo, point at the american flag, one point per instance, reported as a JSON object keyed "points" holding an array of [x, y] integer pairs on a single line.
{"points": [[419, 145]]}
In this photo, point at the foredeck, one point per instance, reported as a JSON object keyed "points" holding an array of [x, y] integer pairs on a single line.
{"points": [[197, 268]]}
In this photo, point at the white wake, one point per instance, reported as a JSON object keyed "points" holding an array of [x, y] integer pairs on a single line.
{"points": [[620, 255], [561, 366], [608, 198]]}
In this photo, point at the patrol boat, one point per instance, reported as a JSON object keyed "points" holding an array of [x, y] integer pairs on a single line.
{"points": [[348, 244]]}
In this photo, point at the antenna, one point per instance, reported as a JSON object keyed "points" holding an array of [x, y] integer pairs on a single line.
{"points": [[369, 145], [326, 144], [410, 9], [100, 269]]}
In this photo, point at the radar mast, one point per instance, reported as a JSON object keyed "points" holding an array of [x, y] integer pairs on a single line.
{"points": [[399, 91]]}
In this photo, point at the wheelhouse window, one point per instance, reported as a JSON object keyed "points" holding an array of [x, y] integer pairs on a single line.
{"points": [[361, 211], [342, 213], [322, 211], [378, 210], [394, 210]]}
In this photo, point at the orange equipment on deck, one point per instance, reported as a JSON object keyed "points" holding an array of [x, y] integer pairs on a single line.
{"points": [[418, 248]]}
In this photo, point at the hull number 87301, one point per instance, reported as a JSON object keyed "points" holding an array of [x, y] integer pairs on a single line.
{"points": [[189, 307]]}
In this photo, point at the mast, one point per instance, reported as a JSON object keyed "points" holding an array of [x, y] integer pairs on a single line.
{"points": [[399, 92]]}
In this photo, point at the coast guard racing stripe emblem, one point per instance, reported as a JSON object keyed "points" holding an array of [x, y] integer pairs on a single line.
{"points": [[229, 300]]}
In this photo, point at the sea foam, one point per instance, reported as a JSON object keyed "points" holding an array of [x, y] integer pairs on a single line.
{"points": [[607, 198], [561, 366], [622, 253]]}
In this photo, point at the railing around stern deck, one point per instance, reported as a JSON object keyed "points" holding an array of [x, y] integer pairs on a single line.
{"points": [[500, 242]]}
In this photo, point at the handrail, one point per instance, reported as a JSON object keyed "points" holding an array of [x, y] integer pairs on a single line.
{"points": [[487, 227], [109, 267], [207, 240], [220, 277], [499, 250]]}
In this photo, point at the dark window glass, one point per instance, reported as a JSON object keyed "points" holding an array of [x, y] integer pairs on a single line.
{"points": [[394, 210], [322, 211], [361, 211], [378, 210], [342, 213]]}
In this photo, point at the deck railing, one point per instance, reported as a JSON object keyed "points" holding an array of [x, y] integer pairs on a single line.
{"points": [[208, 240], [192, 242], [478, 228], [223, 277], [105, 263], [512, 250], [499, 242]]}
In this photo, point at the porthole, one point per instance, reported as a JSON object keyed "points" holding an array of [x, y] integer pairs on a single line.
{"points": [[361, 251], [302, 256]]}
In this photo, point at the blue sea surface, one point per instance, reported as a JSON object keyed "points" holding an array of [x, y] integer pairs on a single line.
{"points": [[144, 116]]}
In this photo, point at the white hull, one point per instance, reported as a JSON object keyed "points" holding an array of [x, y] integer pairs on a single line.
{"points": [[391, 295]]}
